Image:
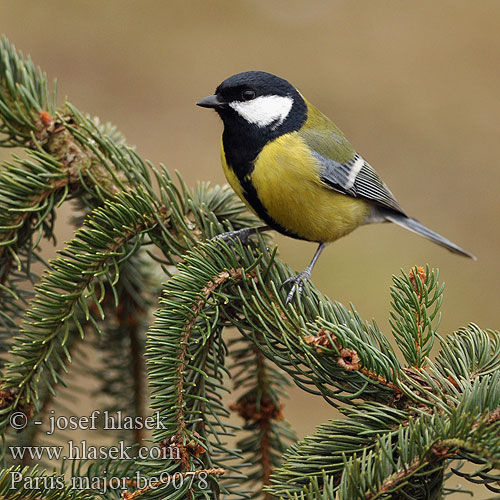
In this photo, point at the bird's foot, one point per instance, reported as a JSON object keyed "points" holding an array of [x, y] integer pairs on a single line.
{"points": [[230, 236], [297, 282]]}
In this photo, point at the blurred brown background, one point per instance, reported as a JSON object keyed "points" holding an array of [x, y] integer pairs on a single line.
{"points": [[414, 85]]}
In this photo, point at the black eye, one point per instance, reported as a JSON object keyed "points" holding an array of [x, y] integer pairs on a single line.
{"points": [[248, 94]]}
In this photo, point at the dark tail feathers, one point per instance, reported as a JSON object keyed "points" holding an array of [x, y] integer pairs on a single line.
{"points": [[416, 227]]}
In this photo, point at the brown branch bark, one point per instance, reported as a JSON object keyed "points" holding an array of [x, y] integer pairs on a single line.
{"points": [[348, 358]]}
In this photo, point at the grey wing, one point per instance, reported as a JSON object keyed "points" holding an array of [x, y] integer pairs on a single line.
{"points": [[358, 179]]}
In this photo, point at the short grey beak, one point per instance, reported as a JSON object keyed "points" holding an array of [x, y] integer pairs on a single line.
{"points": [[212, 101]]}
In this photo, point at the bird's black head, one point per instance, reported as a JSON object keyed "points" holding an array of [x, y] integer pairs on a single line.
{"points": [[257, 106]]}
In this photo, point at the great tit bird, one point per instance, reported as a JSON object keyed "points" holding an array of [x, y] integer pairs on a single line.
{"points": [[296, 170]]}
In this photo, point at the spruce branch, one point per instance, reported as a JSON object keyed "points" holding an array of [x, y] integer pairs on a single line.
{"points": [[185, 345], [416, 299], [24, 94], [326, 451], [95, 251], [47, 398], [378, 455], [288, 340], [122, 343], [423, 448], [469, 353], [267, 435]]}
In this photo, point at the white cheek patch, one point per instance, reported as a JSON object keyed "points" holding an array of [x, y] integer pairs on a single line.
{"points": [[264, 110]]}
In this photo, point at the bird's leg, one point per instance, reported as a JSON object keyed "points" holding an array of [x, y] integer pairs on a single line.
{"points": [[298, 280], [240, 234]]}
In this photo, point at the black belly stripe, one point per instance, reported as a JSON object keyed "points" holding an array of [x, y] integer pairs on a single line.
{"points": [[250, 194], [243, 141]]}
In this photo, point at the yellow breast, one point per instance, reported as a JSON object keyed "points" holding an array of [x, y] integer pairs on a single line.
{"points": [[286, 177]]}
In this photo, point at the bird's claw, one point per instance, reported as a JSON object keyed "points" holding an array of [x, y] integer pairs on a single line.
{"points": [[297, 284], [229, 237]]}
